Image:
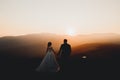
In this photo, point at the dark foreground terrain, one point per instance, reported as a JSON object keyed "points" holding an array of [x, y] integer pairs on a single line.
{"points": [[12, 67]]}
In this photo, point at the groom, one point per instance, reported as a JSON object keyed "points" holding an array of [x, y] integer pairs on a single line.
{"points": [[64, 53]]}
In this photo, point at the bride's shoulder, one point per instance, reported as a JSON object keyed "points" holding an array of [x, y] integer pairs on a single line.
{"points": [[50, 47]]}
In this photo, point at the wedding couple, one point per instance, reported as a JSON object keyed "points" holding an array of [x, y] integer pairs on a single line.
{"points": [[50, 63]]}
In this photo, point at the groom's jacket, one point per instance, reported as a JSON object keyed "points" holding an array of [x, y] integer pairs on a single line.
{"points": [[65, 50]]}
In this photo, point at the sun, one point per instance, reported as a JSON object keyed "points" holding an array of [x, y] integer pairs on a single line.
{"points": [[70, 31]]}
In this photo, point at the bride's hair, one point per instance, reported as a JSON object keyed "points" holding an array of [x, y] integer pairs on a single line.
{"points": [[49, 44]]}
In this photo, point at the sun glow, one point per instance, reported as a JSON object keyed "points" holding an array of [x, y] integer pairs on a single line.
{"points": [[70, 31]]}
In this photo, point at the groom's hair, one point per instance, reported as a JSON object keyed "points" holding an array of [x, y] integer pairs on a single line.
{"points": [[49, 44]]}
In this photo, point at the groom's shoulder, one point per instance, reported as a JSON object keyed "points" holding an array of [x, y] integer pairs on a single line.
{"points": [[65, 44], [62, 44], [68, 44]]}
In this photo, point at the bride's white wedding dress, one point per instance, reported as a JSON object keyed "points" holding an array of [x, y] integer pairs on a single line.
{"points": [[49, 63]]}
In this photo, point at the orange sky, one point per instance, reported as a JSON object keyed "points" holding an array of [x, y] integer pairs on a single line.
{"points": [[59, 16]]}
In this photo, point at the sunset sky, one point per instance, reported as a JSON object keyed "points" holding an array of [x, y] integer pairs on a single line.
{"points": [[19, 17]]}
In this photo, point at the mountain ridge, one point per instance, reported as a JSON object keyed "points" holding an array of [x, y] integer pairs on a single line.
{"points": [[36, 44]]}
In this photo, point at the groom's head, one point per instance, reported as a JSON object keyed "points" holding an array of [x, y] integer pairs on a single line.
{"points": [[65, 40]]}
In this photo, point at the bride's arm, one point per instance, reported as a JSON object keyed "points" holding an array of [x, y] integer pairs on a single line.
{"points": [[53, 50], [46, 50]]}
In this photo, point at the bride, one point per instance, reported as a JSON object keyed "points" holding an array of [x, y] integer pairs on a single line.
{"points": [[49, 62]]}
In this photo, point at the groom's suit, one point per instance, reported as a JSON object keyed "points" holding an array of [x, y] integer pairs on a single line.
{"points": [[65, 50]]}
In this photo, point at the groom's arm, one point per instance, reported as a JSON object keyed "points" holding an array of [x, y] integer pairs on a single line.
{"points": [[53, 50], [60, 50], [70, 49]]}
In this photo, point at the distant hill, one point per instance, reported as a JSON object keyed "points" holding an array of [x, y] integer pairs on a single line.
{"points": [[34, 45], [98, 50], [27, 45], [100, 37]]}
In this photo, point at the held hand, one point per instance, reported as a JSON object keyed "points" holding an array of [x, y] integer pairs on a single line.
{"points": [[58, 55], [58, 69]]}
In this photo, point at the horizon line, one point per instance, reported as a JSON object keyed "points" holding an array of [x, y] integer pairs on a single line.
{"points": [[56, 34]]}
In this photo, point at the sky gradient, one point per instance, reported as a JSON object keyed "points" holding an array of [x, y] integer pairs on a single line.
{"points": [[19, 17]]}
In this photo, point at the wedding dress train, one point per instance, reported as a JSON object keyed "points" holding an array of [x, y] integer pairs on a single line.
{"points": [[49, 63]]}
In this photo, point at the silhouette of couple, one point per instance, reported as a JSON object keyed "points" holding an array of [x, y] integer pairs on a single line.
{"points": [[50, 63]]}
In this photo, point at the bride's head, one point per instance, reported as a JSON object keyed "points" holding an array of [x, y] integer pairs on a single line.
{"points": [[49, 44]]}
